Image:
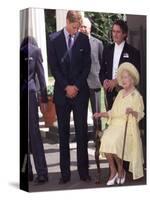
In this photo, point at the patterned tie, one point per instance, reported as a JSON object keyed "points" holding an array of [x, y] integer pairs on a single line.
{"points": [[70, 44], [70, 41]]}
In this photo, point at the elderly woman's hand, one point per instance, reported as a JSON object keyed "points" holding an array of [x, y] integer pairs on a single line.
{"points": [[131, 111], [100, 114]]}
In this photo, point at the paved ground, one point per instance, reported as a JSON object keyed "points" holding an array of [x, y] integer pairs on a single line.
{"points": [[52, 157]]}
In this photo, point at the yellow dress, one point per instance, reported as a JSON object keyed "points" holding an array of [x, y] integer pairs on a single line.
{"points": [[112, 139]]}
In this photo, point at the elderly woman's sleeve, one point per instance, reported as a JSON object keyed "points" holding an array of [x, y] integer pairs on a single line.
{"points": [[109, 116], [139, 107], [109, 113], [112, 111]]}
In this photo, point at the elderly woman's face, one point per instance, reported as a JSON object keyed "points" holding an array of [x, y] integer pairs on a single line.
{"points": [[127, 80]]}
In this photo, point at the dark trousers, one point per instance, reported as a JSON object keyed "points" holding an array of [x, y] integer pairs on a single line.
{"points": [[95, 104], [35, 139], [80, 121], [110, 97]]}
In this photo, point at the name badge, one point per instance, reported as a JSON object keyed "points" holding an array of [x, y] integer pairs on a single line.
{"points": [[28, 58], [125, 55], [81, 50]]}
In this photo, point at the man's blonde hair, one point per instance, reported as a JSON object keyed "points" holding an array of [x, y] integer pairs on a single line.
{"points": [[74, 16]]}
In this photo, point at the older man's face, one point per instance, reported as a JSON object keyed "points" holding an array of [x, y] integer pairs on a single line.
{"points": [[84, 28]]}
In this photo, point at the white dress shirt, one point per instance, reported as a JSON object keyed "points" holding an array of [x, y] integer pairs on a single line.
{"points": [[117, 53]]}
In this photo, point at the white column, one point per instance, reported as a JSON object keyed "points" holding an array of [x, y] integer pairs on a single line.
{"points": [[60, 19], [23, 23], [35, 19]]}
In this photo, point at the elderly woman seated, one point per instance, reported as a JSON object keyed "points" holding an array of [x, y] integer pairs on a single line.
{"points": [[128, 104]]}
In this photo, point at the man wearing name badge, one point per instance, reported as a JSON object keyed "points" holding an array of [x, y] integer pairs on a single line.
{"points": [[93, 77], [114, 55], [70, 61]]}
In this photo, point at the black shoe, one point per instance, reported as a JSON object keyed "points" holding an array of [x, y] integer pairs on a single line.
{"points": [[41, 179], [64, 181], [86, 178], [30, 177]]}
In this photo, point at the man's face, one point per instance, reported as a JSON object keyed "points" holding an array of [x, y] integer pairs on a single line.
{"points": [[85, 29], [117, 34], [72, 28]]}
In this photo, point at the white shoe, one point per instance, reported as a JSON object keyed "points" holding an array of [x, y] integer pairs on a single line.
{"points": [[112, 181], [121, 180]]}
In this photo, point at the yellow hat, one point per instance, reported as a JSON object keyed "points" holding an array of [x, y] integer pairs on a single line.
{"points": [[131, 69]]}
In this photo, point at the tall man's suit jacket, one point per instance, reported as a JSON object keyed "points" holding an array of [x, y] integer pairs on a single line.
{"points": [[129, 54], [96, 58], [69, 71]]}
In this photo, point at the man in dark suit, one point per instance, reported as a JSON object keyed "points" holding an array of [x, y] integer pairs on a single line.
{"points": [[32, 68], [93, 77], [69, 57], [114, 55]]}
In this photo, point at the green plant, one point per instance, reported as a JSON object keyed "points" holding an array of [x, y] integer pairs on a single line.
{"points": [[102, 24]]}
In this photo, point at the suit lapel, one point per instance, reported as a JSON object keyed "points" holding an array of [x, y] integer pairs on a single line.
{"points": [[122, 54], [92, 39], [75, 41], [112, 54], [62, 41], [63, 50], [75, 47], [93, 43]]}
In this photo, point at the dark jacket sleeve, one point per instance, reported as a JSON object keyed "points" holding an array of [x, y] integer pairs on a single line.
{"points": [[41, 77], [55, 69], [86, 64], [103, 67], [100, 53], [137, 60]]}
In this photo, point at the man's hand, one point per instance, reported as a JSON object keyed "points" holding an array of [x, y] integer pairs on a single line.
{"points": [[97, 115], [71, 91], [106, 84], [100, 114], [43, 107], [112, 84]]}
